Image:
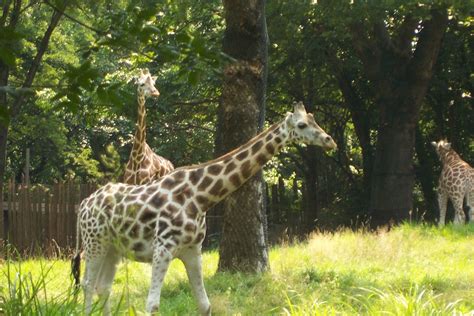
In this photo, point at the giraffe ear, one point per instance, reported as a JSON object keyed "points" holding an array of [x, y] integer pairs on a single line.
{"points": [[133, 80], [434, 144], [289, 119], [154, 78]]}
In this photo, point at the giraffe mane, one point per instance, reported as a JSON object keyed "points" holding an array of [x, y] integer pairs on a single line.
{"points": [[232, 152]]}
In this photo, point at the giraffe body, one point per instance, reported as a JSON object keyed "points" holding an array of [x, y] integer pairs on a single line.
{"points": [[165, 219], [144, 165], [455, 183]]}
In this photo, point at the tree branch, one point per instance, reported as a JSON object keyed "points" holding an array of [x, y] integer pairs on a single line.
{"points": [[382, 36], [5, 9], [429, 42], [404, 38], [42, 46], [100, 32], [196, 102], [367, 50]]}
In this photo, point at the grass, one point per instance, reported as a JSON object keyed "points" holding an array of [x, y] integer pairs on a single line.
{"points": [[411, 270]]}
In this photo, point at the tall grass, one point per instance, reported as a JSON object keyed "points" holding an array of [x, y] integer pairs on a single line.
{"points": [[411, 270]]}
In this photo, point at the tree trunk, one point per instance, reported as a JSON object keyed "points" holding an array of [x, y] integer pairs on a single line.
{"points": [[393, 176], [240, 117]]}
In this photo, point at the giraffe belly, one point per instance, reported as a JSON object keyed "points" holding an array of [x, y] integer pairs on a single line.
{"points": [[141, 250]]}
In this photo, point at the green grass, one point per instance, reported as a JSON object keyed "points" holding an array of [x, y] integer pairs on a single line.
{"points": [[411, 270]]}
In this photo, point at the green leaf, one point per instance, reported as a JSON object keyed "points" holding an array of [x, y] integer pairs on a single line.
{"points": [[7, 57], [194, 76]]}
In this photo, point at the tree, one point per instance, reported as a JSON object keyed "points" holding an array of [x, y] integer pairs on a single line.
{"points": [[9, 49], [397, 47], [240, 116]]}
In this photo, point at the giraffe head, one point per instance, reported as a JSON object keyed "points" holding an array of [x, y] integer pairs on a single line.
{"points": [[302, 128], [146, 84], [442, 147]]}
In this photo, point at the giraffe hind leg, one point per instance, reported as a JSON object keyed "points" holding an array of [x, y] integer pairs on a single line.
{"points": [[106, 278], [459, 216], [442, 204], [470, 205]]}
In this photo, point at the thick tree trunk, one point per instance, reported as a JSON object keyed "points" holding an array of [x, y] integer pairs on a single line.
{"points": [[243, 246], [393, 175]]}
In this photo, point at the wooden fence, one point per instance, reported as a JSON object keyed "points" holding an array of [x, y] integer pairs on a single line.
{"points": [[43, 218]]}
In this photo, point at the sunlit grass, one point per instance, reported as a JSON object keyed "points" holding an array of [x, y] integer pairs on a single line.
{"points": [[410, 270]]}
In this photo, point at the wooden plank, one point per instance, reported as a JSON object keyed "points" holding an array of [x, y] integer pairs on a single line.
{"points": [[72, 219], [59, 228], [10, 212], [52, 214], [47, 210], [16, 220], [70, 213]]}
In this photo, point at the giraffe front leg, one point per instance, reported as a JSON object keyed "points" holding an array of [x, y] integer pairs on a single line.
{"points": [[192, 260], [161, 260], [442, 204]]}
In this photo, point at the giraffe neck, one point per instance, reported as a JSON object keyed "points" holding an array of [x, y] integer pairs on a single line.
{"points": [[220, 177], [450, 157], [138, 148]]}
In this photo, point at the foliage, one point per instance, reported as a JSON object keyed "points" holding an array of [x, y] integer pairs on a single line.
{"points": [[409, 270], [83, 100]]}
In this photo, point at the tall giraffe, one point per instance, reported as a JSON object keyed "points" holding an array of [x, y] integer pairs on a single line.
{"points": [[143, 164], [456, 183], [165, 219]]}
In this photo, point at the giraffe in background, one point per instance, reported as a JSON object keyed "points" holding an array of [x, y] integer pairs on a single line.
{"points": [[166, 219], [456, 183], [143, 164]]}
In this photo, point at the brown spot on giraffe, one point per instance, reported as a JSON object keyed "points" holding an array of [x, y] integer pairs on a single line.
{"points": [[216, 188], [204, 183], [196, 175], [235, 180], [215, 169]]}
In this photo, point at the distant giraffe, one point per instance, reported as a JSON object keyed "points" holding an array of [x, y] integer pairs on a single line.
{"points": [[456, 183], [165, 219], [144, 165]]}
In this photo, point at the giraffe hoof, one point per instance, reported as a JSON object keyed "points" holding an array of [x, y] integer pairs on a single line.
{"points": [[153, 310]]}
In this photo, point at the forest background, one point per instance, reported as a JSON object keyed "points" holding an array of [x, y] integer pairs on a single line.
{"points": [[67, 95]]}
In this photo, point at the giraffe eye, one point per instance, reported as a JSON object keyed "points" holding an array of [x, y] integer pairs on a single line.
{"points": [[142, 84], [302, 125]]}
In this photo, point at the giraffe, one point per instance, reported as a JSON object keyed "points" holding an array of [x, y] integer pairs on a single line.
{"points": [[165, 219], [456, 183], [143, 164]]}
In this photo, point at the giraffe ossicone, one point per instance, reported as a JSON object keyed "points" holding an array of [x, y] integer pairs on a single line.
{"points": [[456, 183], [165, 219], [144, 165]]}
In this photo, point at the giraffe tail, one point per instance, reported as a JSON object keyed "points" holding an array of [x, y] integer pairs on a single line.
{"points": [[76, 260]]}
